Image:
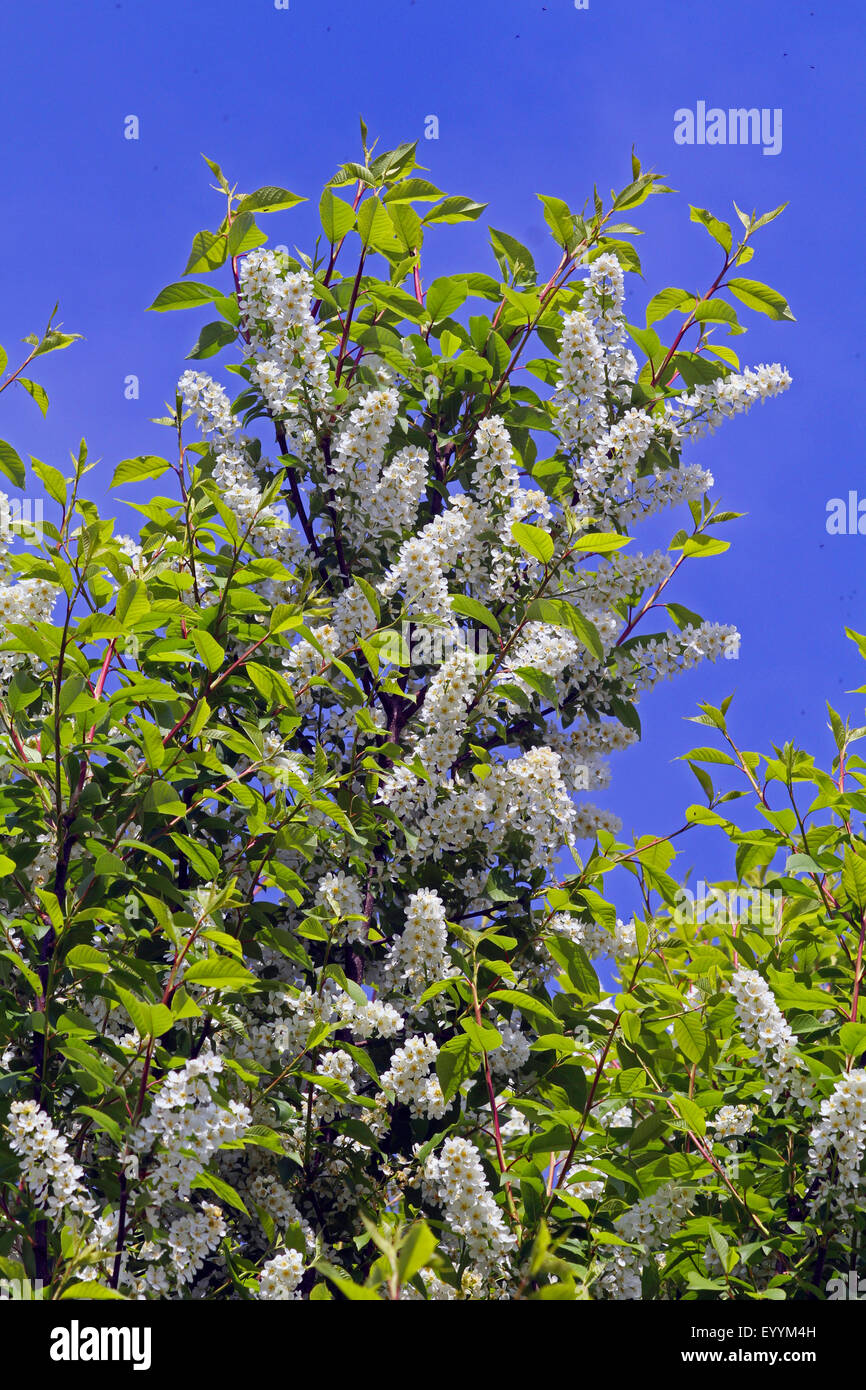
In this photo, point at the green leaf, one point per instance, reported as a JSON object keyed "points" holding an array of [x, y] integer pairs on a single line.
{"points": [[243, 234], [455, 210], [270, 684], [691, 1113], [757, 296], [11, 464], [348, 1288], [414, 190], [210, 651], [211, 339], [561, 613], [88, 958], [456, 1060], [336, 215], [103, 1121], [135, 470], [202, 859], [852, 1036], [417, 1246], [714, 311], [560, 220], [138, 1011], [720, 231], [443, 297], [407, 225], [185, 294], [51, 478], [39, 394], [268, 199], [702, 547], [854, 877], [691, 1036], [132, 602], [486, 1039], [471, 608], [666, 302], [535, 541], [512, 256], [375, 227], [89, 1288], [209, 251], [599, 542], [211, 1183], [526, 1003], [218, 972]]}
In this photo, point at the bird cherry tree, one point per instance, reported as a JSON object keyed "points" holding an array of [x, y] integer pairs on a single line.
{"points": [[297, 981]]}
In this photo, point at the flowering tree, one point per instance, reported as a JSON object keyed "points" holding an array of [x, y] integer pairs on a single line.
{"points": [[297, 1001]]}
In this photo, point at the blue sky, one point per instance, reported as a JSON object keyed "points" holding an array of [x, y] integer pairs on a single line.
{"points": [[530, 97]]}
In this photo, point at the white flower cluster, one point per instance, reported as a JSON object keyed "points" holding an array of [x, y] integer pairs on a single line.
{"points": [[342, 899], [408, 1077], [579, 398], [619, 450], [526, 795], [603, 297], [514, 1053], [665, 657], [285, 339], [765, 1027], [47, 1168], [423, 560], [233, 472], [456, 1179], [648, 1224], [186, 1126], [624, 940], [840, 1134], [732, 1120], [495, 482], [192, 1237], [370, 1020], [339, 1067], [703, 408], [448, 697], [24, 603], [269, 1194], [418, 956], [651, 1220], [362, 443], [281, 1275], [591, 936]]}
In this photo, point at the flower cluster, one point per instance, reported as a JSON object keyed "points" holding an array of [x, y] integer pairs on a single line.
{"points": [[417, 957], [732, 1120], [647, 1224], [408, 1077], [837, 1142], [185, 1127], [48, 1169], [456, 1178], [281, 1275], [765, 1027]]}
